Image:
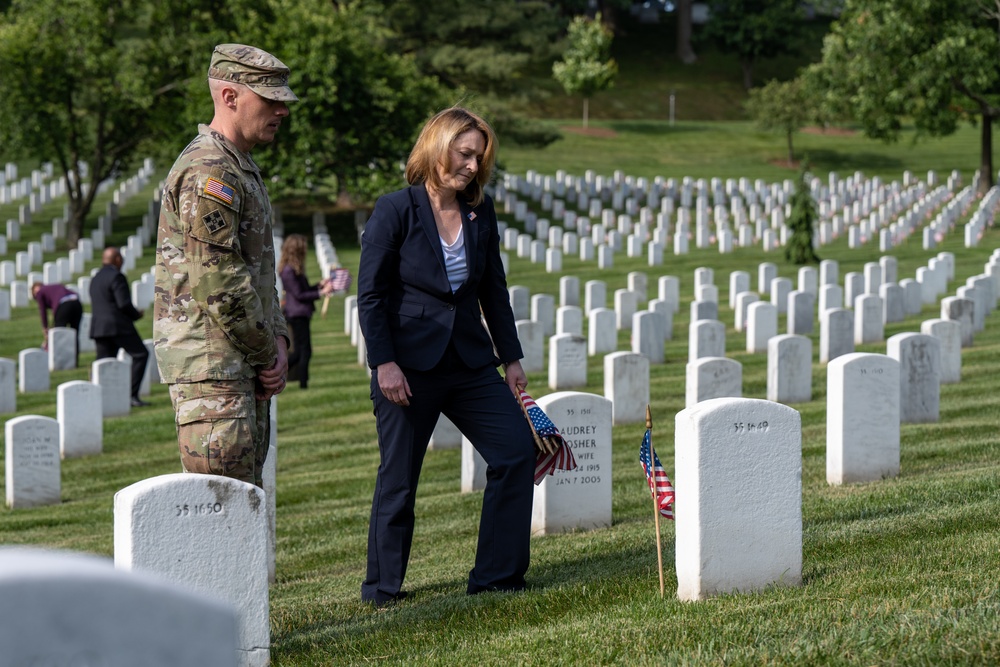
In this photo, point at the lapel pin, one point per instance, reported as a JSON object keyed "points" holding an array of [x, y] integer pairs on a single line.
{"points": [[472, 216]]}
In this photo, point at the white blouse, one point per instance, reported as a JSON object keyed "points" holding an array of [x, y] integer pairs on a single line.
{"points": [[454, 260]]}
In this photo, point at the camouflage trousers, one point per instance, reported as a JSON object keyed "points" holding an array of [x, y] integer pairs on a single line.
{"points": [[222, 429]]}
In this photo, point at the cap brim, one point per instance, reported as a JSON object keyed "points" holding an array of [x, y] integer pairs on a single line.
{"points": [[276, 93]]}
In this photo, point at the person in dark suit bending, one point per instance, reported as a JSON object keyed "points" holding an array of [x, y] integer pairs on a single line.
{"points": [[112, 314], [430, 275]]}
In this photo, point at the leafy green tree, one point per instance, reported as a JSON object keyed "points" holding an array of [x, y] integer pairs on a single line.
{"points": [[799, 249], [486, 47], [685, 52], [781, 106], [360, 104], [753, 29], [934, 64], [483, 55], [92, 81], [586, 67]]}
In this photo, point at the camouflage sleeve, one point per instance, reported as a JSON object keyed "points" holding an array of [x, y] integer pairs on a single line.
{"points": [[221, 282]]}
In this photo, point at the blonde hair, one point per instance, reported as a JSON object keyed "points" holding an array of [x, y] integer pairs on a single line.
{"points": [[435, 141], [293, 253]]}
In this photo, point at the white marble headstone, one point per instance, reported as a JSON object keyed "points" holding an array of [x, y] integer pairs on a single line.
{"points": [[8, 386], [445, 436], [581, 498], [919, 357], [602, 336], [567, 362], [62, 348], [789, 369], [626, 385], [731, 535], [81, 425], [706, 338], [77, 610], [862, 418], [114, 378], [712, 377], [197, 530], [949, 335], [32, 470], [33, 369]]}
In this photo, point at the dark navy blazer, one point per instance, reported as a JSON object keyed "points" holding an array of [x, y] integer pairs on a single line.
{"points": [[406, 308]]}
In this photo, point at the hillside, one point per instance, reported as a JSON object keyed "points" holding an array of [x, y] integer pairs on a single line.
{"points": [[710, 89]]}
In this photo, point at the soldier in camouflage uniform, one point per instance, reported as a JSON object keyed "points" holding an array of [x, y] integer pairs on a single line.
{"points": [[219, 335]]}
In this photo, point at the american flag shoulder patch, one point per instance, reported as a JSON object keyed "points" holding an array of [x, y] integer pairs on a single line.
{"points": [[216, 188]]}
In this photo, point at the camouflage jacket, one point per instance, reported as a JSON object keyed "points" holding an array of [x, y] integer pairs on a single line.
{"points": [[216, 313]]}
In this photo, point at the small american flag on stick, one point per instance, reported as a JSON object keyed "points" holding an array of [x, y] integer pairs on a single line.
{"points": [[551, 450], [656, 477], [340, 279]]}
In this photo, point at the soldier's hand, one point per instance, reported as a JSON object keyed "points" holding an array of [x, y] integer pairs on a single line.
{"points": [[273, 378]]}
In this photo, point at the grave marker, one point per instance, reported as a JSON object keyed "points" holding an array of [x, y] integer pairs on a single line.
{"points": [[197, 530], [33, 368], [567, 362], [114, 377], [62, 608], [581, 498], [712, 377], [919, 357], [733, 536], [862, 418], [32, 461], [81, 425], [626, 385]]}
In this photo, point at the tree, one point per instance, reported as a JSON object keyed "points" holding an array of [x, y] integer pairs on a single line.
{"points": [[360, 104], [586, 67], [91, 81], [753, 29], [685, 53], [932, 63], [799, 249], [486, 49], [482, 56], [782, 106]]}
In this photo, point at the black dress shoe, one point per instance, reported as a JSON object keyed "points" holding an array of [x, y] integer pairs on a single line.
{"points": [[138, 402], [388, 602]]}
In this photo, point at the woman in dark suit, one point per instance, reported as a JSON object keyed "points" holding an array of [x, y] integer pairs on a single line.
{"points": [[430, 277], [299, 304]]}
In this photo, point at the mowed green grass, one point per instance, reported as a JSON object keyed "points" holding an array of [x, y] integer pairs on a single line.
{"points": [[901, 571]]}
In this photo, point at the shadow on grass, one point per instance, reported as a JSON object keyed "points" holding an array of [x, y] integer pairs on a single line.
{"points": [[822, 159], [657, 128], [553, 590]]}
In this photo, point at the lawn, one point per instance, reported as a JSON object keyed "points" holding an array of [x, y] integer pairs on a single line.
{"points": [[901, 571]]}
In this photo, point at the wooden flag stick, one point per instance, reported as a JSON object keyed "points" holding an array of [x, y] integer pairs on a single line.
{"points": [[656, 504]]}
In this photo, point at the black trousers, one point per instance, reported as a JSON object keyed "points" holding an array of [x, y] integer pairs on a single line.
{"points": [[481, 405], [298, 359], [70, 314], [108, 346]]}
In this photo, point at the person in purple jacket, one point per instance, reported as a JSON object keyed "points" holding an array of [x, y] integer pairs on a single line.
{"points": [[67, 311], [299, 304]]}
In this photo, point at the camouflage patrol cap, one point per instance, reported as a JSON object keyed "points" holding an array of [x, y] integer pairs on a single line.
{"points": [[257, 70]]}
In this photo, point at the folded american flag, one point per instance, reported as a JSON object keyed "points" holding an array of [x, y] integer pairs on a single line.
{"points": [[660, 487], [551, 449]]}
